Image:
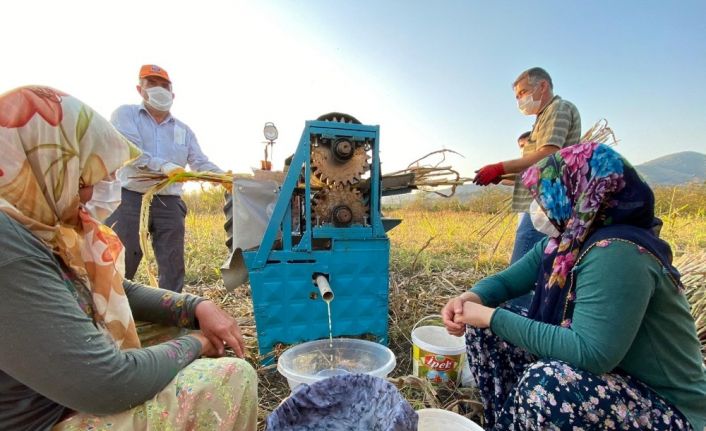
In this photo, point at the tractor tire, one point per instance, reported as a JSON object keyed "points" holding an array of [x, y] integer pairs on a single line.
{"points": [[228, 225]]}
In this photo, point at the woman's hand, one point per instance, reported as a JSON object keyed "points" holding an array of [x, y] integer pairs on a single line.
{"points": [[455, 307], [207, 348], [474, 314], [219, 328]]}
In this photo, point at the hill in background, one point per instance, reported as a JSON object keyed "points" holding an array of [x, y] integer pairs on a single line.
{"points": [[674, 169]]}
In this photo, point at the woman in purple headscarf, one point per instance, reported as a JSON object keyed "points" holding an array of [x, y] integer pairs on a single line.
{"points": [[609, 341]]}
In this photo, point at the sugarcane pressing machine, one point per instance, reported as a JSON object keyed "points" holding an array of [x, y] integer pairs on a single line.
{"points": [[324, 229]]}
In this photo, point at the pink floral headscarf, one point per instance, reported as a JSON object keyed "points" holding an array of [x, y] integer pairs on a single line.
{"points": [[573, 186], [590, 193], [52, 142]]}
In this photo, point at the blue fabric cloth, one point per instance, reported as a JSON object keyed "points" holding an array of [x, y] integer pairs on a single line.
{"points": [[345, 402], [171, 141]]}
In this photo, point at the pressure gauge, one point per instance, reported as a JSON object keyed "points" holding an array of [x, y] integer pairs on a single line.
{"points": [[270, 131]]}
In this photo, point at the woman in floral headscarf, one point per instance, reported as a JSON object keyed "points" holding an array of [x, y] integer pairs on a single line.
{"points": [[70, 356], [609, 342]]}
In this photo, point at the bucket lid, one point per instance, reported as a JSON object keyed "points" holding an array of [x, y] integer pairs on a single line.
{"points": [[435, 339], [440, 419]]}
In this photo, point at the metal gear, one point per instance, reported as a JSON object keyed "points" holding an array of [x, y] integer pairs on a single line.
{"points": [[339, 117], [343, 165], [339, 206]]}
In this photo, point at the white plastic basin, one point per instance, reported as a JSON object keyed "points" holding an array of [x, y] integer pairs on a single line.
{"points": [[316, 360], [444, 420]]}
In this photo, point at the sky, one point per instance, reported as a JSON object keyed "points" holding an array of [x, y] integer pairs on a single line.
{"points": [[433, 75]]}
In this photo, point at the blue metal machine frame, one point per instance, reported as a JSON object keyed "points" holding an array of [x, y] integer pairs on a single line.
{"points": [[286, 303]]}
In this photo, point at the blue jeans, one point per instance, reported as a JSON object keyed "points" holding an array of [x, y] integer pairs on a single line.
{"points": [[525, 238]]}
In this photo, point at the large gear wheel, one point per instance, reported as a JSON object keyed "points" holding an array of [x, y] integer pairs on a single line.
{"points": [[340, 163], [339, 117], [341, 207]]}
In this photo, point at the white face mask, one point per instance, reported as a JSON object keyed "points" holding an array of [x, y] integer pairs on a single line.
{"points": [[541, 222], [159, 98], [528, 105], [106, 199]]}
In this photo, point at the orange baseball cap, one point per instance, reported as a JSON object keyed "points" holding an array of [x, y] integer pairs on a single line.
{"points": [[154, 70]]}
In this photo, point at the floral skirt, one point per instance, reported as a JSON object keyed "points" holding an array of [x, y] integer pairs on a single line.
{"points": [[520, 392], [207, 395]]}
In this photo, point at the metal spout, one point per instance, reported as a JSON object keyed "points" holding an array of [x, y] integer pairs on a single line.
{"points": [[324, 288]]}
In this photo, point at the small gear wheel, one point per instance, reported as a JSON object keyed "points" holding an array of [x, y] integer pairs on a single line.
{"points": [[339, 206], [341, 163]]}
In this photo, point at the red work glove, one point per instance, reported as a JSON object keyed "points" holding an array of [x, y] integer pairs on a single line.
{"points": [[489, 174]]}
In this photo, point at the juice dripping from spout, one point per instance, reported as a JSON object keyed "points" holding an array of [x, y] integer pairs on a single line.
{"points": [[330, 331]]}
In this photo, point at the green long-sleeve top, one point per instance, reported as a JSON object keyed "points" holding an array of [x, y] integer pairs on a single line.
{"points": [[52, 357], [628, 314]]}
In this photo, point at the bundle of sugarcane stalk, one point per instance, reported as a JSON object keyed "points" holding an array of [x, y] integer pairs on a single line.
{"points": [[601, 133], [161, 181], [427, 176]]}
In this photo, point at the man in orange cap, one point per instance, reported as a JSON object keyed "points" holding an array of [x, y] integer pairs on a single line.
{"points": [[168, 145]]}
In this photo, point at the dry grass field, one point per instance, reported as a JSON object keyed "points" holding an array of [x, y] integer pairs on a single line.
{"points": [[439, 250]]}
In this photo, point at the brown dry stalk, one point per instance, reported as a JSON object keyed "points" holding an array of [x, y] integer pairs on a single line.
{"points": [[427, 176], [428, 391], [601, 133], [495, 220], [416, 256], [502, 235]]}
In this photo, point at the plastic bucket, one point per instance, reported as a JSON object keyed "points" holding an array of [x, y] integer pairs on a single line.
{"points": [[443, 420], [437, 356], [315, 360]]}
